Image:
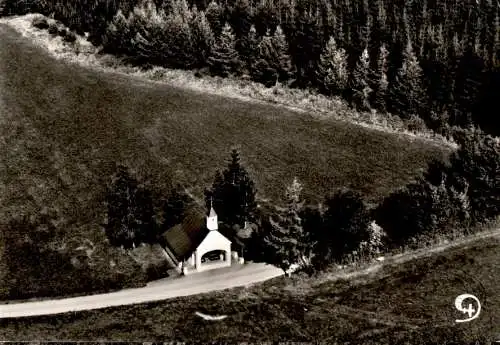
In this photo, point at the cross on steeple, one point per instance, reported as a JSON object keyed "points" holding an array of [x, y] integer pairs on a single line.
{"points": [[212, 217]]}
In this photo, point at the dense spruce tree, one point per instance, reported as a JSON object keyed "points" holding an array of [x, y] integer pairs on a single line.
{"points": [[273, 61], [118, 36], [359, 83], [407, 91], [405, 213], [240, 19], [249, 50], [181, 8], [346, 220], [283, 59], [215, 195], [180, 50], [215, 17], [495, 45], [365, 30], [312, 223], [332, 74], [439, 79], [483, 116], [380, 82], [233, 194], [285, 239], [338, 30], [476, 168], [224, 59], [263, 68], [433, 205], [203, 38], [328, 18], [266, 17], [467, 85], [147, 25], [129, 211], [162, 39], [306, 44]]}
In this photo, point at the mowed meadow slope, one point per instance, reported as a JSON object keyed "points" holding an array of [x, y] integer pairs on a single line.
{"points": [[63, 128]]}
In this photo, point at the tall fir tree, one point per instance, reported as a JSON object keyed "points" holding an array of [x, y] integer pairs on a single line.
{"points": [[215, 17], [203, 38], [266, 17], [407, 91], [339, 33], [405, 213], [181, 8], [224, 59], [240, 20], [332, 73], [365, 32], [285, 239], [360, 87], [284, 60], [262, 69], [495, 45], [273, 61], [380, 82], [346, 221], [306, 43], [328, 19], [180, 51], [476, 164], [118, 35], [233, 194], [162, 39], [249, 50], [468, 78]]}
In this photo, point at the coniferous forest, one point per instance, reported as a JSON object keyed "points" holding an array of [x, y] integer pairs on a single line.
{"points": [[432, 59]]}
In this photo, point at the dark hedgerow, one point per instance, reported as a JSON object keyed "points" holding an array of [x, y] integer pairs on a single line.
{"points": [[53, 29], [70, 37], [40, 23]]}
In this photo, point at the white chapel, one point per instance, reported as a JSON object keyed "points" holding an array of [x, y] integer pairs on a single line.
{"points": [[196, 245]]}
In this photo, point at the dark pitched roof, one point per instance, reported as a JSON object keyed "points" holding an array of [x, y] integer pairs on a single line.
{"points": [[185, 237]]}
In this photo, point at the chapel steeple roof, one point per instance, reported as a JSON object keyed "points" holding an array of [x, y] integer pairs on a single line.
{"points": [[212, 212]]}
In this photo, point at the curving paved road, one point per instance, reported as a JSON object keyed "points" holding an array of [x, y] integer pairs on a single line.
{"points": [[220, 279]]}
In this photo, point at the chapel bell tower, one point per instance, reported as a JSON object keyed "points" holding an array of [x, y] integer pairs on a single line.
{"points": [[212, 219]]}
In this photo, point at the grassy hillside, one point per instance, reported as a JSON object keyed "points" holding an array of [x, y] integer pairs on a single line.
{"points": [[85, 121], [410, 302]]}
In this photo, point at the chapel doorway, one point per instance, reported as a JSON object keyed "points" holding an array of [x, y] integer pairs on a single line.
{"points": [[214, 256]]}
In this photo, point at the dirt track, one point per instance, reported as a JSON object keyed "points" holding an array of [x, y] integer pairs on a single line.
{"points": [[372, 269]]}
